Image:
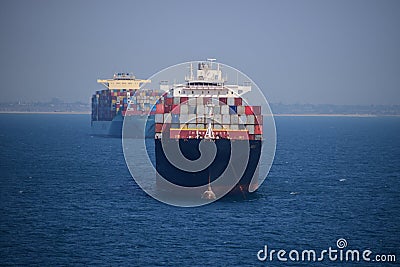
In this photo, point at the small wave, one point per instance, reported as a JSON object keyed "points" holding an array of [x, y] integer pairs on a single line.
{"points": [[294, 193], [342, 180]]}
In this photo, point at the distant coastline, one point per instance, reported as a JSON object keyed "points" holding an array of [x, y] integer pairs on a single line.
{"points": [[57, 106], [275, 115], [47, 112]]}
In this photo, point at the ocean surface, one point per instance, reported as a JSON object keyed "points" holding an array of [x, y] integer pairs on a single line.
{"points": [[67, 198]]}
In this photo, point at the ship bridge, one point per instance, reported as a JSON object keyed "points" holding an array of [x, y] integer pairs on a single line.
{"points": [[208, 82], [123, 81]]}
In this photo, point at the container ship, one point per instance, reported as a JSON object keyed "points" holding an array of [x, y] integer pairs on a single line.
{"points": [[206, 109], [121, 98]]}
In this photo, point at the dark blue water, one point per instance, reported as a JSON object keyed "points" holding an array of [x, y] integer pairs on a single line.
{"points": [[67, 198]]}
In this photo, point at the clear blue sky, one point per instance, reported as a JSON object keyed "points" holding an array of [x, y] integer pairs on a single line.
{"points": [[340, 52]]}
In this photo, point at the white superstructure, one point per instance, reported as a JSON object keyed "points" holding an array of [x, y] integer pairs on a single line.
{"points": [[122, 81], [208, 82]]}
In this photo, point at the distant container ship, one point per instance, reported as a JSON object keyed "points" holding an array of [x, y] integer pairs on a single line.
{"points": [[111, 105], [205, 108]]}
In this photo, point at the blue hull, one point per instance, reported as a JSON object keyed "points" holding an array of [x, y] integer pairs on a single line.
{"points": [[133, 130], [190, 150]]}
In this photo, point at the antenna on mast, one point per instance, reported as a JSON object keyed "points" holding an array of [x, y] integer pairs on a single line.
{"points": [[211, 60]]}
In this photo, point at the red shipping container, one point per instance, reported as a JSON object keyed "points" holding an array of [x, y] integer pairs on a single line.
{"points": [[223, 100], [238, 101], [176, 109], [258, 129], [169, 101], [167, 108], [259, 120], [159, 109], [206, 100], [248, 110], [251, 137], [184, 99], [257, 110], [159, 127]]}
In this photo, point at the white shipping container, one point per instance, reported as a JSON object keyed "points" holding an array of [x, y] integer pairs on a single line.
{"points": [[226, 126], [200, 119], [183, 118], [258, 137], [192, 118], [167, 118], [159, 118], [231, 101], [242, 119], [200, 110], [184, 109], [250, 128], [226, 119], [199, 101], [216, 110], [192, 101], [250, 119], [200, 125], [234, 127], [192, 109], [225, 110], [241, 110], [217, 126], [215, 101], [191, 125], [218, 118], [234, 119]]}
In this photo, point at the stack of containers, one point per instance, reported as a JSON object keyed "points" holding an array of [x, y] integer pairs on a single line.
{"points": [[186, 117], [142, 102], [108, 103], [101, 102]]}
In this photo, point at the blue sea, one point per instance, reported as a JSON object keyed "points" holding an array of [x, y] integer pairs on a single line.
{"points": [[67, 198]]}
